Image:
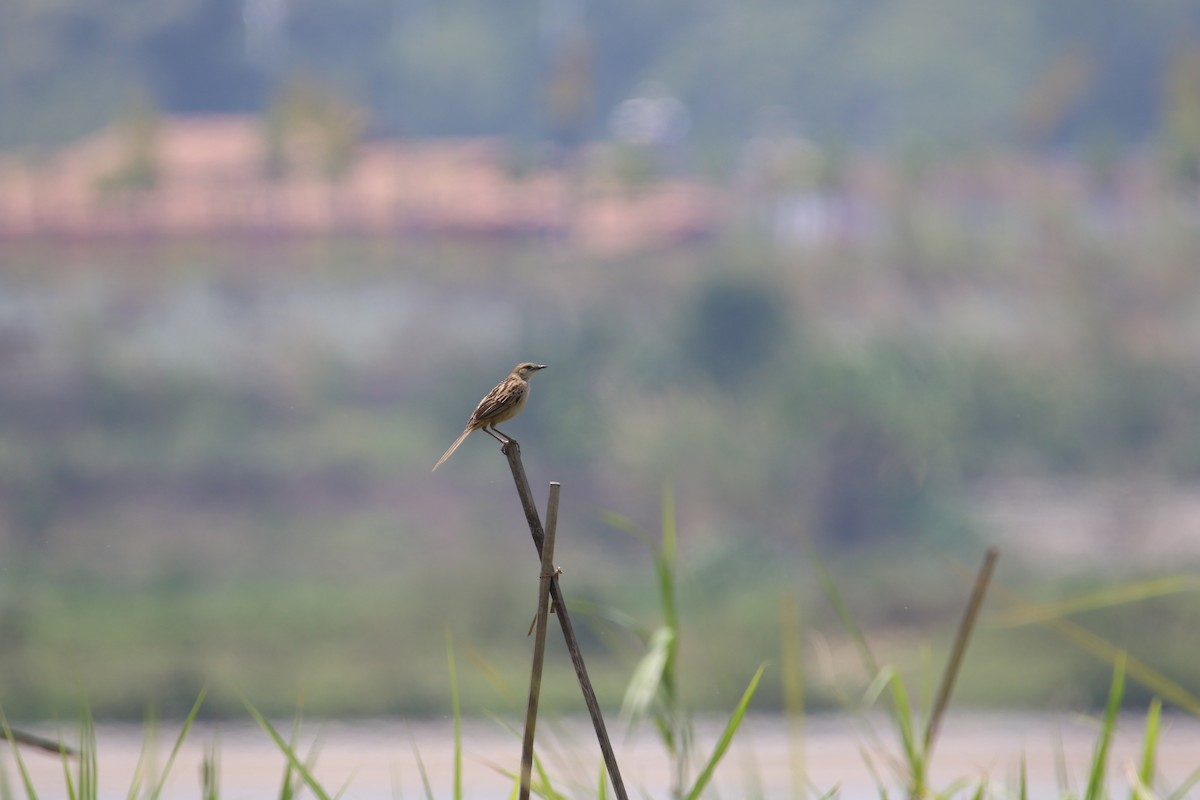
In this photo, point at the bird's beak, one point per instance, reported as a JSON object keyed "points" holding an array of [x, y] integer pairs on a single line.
{"points": [[541, 366]]}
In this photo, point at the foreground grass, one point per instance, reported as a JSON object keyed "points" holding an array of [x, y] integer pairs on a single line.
{"points": [[899, 751], [303, 768], [900, 771]]}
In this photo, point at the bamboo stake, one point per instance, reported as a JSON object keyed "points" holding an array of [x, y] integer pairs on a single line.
{"points": [[960, 647], [513, 451], [539, 641], [39, 742]]}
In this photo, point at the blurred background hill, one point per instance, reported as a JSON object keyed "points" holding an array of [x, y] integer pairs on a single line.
{"points": [[852, 73], [899, 280]]}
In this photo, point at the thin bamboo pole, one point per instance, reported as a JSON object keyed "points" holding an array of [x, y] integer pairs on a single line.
{"points": [[513, 451], [539, 641], [960, 647]]}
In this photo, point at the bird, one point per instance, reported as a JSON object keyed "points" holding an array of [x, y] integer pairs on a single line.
{"points": [[501, 404]]}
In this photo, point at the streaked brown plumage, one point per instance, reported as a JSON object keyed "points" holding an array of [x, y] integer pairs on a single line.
{"points": [[501, 404]]}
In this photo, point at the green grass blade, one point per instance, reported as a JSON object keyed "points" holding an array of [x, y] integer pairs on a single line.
{"points": [[1031, 613], [290, 787], [669, 530], [287, 789], [1060, 767], [666, 589], [666, 732], [581, 606], [735, 721], [495, 677], [665, 564], [653, 689], [457, 712], [541, 786], [900, 712], [1095, 787], [146, 756], [663, 551], [1138, 790], [905, 722], [877, 685], [68, 781], [869, 762], [545, 787], [211, 770], [1102, 649], [925, 674], [289, 752], [791, 652], [647, 676], [345, 788], [30, 792], [6, 792], [1186, 786], [602, 787], [1150, 745], [843, 612], [421, 770], [626, 525], [187, 726], [88, 767]]}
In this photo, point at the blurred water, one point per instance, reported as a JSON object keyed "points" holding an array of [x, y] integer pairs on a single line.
{"points": [[374, 760]]}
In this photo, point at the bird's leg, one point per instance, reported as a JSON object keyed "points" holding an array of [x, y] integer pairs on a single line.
{"points": [[486, 430], [507, 439]]}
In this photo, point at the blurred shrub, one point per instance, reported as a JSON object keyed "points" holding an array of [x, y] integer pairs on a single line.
{"points": [[869, 485], [734, 327], [138, 169]]}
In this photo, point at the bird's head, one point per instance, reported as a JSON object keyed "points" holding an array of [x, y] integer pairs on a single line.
{"points": [[527, 368]]}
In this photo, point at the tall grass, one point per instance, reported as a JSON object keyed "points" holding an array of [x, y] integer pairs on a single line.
{"points": [[654, 697], [910, 771], [912, 768], [654, 691]]}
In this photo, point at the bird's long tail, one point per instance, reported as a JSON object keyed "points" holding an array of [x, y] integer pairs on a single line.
{"points": [[453, 447]]}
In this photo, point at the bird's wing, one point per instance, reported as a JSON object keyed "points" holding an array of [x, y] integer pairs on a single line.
{"points": [[499, 401]]}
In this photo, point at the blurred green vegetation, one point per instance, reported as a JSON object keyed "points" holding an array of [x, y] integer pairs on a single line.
{"points": [[934, 71], [214, 462], [368, 646]]}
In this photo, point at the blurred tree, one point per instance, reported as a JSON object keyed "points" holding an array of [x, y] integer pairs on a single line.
{"points": [[35, 505], [1055, 96], [310, 126], [869, 487], [139, 168], [465, 67], [568, 91], [68, 67], [892, 430], [857, 71], [734, 327], [570, 70], [1181, 126]]}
